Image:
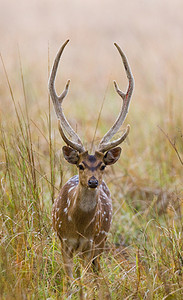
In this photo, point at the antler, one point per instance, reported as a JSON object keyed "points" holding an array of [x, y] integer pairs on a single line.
{"points": [[105, 143], [75, 143]]}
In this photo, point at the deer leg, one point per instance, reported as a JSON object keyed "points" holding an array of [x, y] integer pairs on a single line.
{"points": [[96, 257], [78, 272], [96, 265], [67, 256]]}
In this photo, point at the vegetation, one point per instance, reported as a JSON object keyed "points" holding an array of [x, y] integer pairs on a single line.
{"points": [[143, 258], [144, 253]]}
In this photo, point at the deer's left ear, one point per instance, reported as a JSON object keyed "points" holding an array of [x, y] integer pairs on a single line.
{"points": [[112, 156]]}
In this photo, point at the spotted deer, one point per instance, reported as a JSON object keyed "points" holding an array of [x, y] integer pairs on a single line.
{"points": [[82, 212]]}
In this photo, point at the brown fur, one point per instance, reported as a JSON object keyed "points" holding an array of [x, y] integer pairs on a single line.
{"points": [[82, 211], [82, 215]]}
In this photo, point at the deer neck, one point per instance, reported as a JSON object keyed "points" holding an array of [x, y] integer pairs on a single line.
{"points": [[86, 198], [83, 209]]}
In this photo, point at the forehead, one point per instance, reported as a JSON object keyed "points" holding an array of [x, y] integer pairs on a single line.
{"points": [[92, 161], [91, 158]]}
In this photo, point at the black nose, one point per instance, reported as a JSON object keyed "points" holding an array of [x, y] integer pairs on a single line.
{"points": [[93, 182]]}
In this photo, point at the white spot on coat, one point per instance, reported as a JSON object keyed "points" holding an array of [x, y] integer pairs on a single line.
{"points": [[65, 210], [68, 202], [69, 218], [71, 188]]}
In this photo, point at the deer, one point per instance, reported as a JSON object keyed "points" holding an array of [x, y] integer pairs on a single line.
{"points": [[82, 212]]}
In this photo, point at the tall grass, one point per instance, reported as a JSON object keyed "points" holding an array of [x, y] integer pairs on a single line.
{"points": [[144, 253]]}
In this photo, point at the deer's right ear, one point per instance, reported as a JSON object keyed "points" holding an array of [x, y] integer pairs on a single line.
{"points": [[70, 155]]}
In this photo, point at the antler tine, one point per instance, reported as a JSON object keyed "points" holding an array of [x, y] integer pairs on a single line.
{"points": [[69, 142], [104, 144], [108, 146], [57, 102]]}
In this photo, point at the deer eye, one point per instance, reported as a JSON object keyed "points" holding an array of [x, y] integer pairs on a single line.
{"points": [[102, 167], [81, 167]]}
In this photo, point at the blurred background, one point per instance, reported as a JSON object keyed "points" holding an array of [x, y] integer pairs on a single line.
{"points": [[146, 183], [149, 32]]}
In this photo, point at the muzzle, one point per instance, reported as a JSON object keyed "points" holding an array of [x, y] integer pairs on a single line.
{"points": [[93, 182]]}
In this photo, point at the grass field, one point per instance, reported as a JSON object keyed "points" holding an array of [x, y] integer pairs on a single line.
{"points": [[144, 255]]}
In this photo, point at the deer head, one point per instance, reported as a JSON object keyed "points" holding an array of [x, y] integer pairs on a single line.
{"points": [[91, 167]]}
